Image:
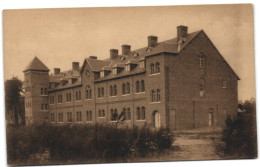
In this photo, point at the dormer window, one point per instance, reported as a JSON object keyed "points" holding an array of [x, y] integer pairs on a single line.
{"points": [[141, 64], [148, 49], [127, 67], [70, 81], [136, 54], [102, 74], [114, 71]]}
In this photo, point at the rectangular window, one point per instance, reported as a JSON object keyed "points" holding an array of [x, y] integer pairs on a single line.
{"points": [[69, 116], [137, 86], [60, 117], [52, 117], [89, 116], [101, 113], [59, 98], [79, 117]]}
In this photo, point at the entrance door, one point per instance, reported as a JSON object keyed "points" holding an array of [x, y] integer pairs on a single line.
{"points": [[211, 119], [157, 120]]}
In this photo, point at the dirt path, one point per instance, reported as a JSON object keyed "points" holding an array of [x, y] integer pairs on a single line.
{"points": [[194, 146], [191, 145]]}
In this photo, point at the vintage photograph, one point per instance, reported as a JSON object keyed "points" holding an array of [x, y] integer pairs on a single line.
{"points": [[129, 84]]}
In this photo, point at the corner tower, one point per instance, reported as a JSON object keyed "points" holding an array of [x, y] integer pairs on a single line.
{"points": [[36, 83]]}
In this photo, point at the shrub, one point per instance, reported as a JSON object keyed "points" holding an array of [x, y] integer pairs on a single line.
{"points": [[239, 136], [84, 143]]}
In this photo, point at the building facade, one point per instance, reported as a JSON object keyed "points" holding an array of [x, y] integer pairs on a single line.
{"points": [[180, 83]]}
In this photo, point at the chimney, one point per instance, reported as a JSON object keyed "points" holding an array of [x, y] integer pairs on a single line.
{"points": [[182, 31], [75, 65], [56, 71], [113, 53], [126, 49], [152, 41], [92, 57]]}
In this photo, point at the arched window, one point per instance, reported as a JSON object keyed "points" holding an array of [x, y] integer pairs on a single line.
{"points": [[102, 92], [157, 67], [158, 95], [123, 114], [137, 86], [142, 86], [127, 88], [138, 113], [115, 90], [152, 96], [99, 113], [69, 96], [202, 87], [224, 84], [143, 113], [87, 92], [103, 113], [111, 90], [201, 60], [90, 95], [123, 88], [79, 98], [152, 68], [128, 114], [99, 92]]}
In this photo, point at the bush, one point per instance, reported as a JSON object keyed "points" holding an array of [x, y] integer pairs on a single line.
{"points": [[84, 143], [239, 137]]}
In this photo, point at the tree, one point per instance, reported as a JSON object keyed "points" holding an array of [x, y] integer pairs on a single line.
{"points": [[14, 100]]}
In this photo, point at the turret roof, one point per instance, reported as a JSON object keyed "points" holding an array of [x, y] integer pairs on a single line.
{"points": [[37, 65]]}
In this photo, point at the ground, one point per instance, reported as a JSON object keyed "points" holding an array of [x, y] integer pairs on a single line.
{"points": [[195, 144]]}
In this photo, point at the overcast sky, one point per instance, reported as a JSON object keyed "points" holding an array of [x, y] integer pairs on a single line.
{"points": [[59, 36]]}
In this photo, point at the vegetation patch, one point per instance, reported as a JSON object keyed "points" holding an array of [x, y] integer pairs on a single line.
{"points": [[239, 136], [39, 144]]}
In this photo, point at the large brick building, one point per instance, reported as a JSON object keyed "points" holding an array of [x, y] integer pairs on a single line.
{"points": [[180, 83]]}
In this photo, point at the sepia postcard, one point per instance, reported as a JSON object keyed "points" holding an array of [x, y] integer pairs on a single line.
{"points": [[129, 84]]}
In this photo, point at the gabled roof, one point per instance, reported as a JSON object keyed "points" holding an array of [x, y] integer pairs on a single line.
{"points": [[97, 65], [37, 65], [170, 46]]}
